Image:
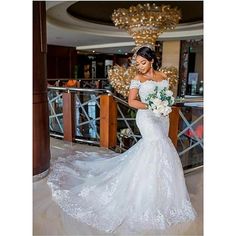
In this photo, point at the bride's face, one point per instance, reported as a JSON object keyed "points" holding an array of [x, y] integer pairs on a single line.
{"points": [[143, 65]]}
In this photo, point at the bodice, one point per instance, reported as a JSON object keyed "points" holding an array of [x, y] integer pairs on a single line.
{"points": [[148, 87]]}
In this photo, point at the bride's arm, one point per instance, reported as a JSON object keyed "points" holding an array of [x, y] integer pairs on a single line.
{"points": [[134, 102]]}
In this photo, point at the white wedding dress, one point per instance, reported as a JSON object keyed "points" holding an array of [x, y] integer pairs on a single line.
{"points": [[138, 190]]}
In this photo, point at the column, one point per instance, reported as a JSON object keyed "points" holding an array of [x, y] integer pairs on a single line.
{"points": [[41, 140], [174, 125], [108, 121], [69, 116]]}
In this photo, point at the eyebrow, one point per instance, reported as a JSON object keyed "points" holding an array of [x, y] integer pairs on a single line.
{"points": [[141, 61]]}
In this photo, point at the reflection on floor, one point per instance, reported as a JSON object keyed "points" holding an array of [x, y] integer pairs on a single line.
{"points": [[50, 220]]}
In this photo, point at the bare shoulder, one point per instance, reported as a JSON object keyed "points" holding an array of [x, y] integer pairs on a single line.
{"points": [[161, 75], [137, 77]]}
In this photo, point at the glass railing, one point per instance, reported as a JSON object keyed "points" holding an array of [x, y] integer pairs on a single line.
{"points": [[87, 116], [190, 135], [87, 113], [87, 122], [55, 103]]}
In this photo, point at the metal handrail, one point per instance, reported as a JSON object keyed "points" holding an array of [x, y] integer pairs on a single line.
{"points": [[191, 170], [120, 100], [188, 100], [78, 79], [68, 89]]}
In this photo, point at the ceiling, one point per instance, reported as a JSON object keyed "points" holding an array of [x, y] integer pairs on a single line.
{"points": [[87, 25]]}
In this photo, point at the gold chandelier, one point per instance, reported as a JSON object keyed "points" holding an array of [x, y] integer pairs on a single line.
{"points": [[146, 22]]}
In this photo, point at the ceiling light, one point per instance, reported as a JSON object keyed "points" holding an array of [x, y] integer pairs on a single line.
{"points": [[146, 22]]}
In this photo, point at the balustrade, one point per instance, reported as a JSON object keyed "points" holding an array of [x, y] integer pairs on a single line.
{"points": [[99, 117]]}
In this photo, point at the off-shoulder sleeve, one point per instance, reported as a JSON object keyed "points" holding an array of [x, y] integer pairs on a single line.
{"points": [[135, 84]]}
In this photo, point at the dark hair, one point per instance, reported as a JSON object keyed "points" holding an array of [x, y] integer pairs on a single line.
{"points": [[148, 54]]}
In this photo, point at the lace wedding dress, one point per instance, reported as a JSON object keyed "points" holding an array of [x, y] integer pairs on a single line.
{"points": [[140, 189]]}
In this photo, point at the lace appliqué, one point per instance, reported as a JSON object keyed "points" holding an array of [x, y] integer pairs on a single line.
{"points": [[155, 219]]}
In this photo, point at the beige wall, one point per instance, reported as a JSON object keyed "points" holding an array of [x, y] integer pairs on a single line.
{"points": [[171, 56], [171, 53]]}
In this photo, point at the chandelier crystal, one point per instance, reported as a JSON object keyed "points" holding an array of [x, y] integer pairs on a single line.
{"points": [[146, 22]]}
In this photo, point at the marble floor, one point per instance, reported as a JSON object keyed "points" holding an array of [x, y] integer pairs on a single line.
{"points": [[48, 219]]}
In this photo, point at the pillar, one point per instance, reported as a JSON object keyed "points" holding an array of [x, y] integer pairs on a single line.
{"points": [[69, 116], [41, 140], [108, 121], [174, 125]]}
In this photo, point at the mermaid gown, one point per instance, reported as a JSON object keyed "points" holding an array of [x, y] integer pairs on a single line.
{"points": [[140, 189]]}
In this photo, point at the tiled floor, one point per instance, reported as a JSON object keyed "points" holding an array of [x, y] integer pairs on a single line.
{"points": [[50, 220]]}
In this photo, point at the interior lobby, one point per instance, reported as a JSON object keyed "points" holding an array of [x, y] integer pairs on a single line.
{"points": [[79, 108], [68, 101]]}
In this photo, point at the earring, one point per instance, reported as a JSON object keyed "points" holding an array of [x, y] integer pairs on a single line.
{"points": [[151, 65]]}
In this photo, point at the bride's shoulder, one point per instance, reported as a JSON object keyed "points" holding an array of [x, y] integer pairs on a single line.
{"points": [[135, 82], [161, 75], [138, 78]]}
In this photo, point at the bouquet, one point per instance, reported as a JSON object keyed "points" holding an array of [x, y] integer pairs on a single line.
{"points": [[160, 101]]}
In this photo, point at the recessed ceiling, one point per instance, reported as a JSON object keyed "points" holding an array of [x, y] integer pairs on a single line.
{"points": [[87, 25], [100, 11]]}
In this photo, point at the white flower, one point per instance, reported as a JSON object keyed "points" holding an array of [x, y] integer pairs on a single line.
{"points": [[172, 101], [169, 93], [165, 103], [158, 95], [167, 110], [157, 101], [153, 106], [126, 132], [161, 108]]}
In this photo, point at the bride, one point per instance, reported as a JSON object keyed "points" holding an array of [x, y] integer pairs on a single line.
{"points": [[138, 190]]}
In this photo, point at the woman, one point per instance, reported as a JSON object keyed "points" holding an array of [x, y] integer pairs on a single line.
{"points": [[141, 189], [146, 65]]}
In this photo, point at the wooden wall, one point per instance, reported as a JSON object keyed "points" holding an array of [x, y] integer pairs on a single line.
{"points": [[61, 61]]}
